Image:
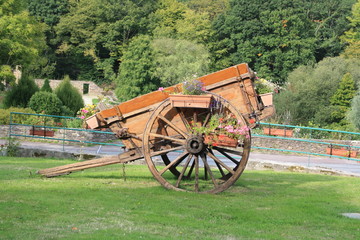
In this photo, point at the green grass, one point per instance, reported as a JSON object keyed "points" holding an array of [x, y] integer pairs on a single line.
{"points": [[99, 204]]}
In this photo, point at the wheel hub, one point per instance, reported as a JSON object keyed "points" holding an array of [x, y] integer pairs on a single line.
{"points": [[195, 144]]}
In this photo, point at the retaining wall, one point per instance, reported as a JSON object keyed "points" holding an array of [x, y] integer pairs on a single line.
{"points": [[79, 135]]}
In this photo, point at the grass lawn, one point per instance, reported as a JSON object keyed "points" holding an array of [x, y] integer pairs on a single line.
{"points": [[99, 204]]}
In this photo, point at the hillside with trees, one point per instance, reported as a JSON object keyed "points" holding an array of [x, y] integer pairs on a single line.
{"points": [[309, 48]]}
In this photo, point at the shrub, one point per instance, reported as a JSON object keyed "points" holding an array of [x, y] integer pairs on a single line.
{"points": [[21, 93], [16, 118], [46, 86], [69, 96], [46, 102]]}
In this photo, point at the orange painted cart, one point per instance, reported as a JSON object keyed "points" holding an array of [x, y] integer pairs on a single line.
{"points": [[163, 132]]}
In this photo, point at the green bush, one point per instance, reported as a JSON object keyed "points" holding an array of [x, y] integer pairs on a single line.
{"points": [[69, 95], [46, 102], [46, 86], [16, 118], [20, 94]]}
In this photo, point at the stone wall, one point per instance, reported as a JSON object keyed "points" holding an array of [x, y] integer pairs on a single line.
{"points": [[256, 141], [78, 135], [93, 88], [301, 146]]}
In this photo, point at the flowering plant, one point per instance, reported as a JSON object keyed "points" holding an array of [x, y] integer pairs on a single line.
{"points": [[87, 111], [228, 125], [191, 87]]}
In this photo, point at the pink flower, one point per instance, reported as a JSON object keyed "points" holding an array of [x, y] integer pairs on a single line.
{"points": [[161, 89], [84, 111], [82, 117]]}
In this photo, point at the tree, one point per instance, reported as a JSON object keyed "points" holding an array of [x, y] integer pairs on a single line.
{"points": [[46, 86], [20, 94], [307, 95], [179, 60], [352, 37], [46, 102], [342, 98], [22, 38], [49, 11], [7, 77], [94, 33], [174, 19], [276, 36], [211, 7], [69, 95], [354, 113], [136, 75]]}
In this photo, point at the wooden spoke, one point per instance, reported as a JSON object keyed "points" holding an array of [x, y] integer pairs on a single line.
{"points": [[228, 150], [185, 135], [183, 119], [183, 170], [207, 167], [220, 169], [196, 160], [167, 151], [181, 141], [195, 117], [228, 156], [220, 162], [191, 169], [176, 161], [207, 118]]}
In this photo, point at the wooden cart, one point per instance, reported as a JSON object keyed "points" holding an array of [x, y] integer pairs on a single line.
{"points": [[163, 132]]}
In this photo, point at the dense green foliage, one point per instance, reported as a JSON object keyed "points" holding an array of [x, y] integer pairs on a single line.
{"points": [[20, 94], [312, 93], [276, 36], [69, 96], [46, 86], [352, 37], [136, 75], [22, 38], [99, 204], [7, 77], [16, 118], [341, 100], [135, 46], [191, 60], [45, 103], [354, 113]]}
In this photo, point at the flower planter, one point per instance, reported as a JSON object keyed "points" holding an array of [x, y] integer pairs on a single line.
{"points": [[220, 140], [341, 152], [92, 122], [44, 133], [190, 101], [267, 99], [278, 132]]}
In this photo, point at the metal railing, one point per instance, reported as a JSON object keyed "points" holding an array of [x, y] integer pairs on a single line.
{"points": [[332, 146], [52, 123], [310, 137]]}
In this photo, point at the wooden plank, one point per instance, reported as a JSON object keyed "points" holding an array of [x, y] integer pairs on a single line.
{"points": [[158, 96], [69, 168]]}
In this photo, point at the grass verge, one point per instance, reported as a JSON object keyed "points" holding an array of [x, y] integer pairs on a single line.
{"points": [[99, 204]]}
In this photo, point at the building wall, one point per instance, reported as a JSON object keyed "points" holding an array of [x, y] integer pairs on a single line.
{"points": [[94, 90]]}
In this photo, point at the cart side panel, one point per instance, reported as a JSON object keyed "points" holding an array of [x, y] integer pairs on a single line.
{"points": [[241, 71]]}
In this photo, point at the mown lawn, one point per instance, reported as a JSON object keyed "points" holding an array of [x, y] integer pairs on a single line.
{"points": [[99, 204]]}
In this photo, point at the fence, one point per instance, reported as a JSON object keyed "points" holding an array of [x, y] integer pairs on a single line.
{"points": [[278, 136], [345, 148], [57, 128]]}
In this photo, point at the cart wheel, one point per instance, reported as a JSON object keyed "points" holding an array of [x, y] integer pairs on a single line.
{"points": [[187, 163]]}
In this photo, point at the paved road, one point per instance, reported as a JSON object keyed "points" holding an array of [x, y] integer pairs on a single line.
{"points": [[325, 163]]}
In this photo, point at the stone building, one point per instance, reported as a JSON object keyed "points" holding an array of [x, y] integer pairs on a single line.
{"points": [[88, 89]]}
